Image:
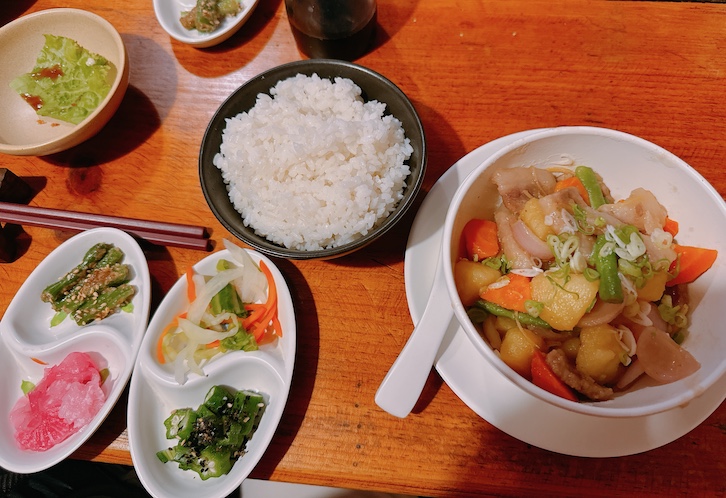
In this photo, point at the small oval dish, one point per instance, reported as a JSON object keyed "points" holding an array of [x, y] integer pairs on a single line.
{"points": [[169, 13], [154, 392], [29, 345], [22, 131]]}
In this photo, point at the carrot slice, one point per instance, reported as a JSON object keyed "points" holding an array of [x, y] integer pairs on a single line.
{"points": [[671, 226], [511, 296], [573, 181], [480, 239], [692, 262], [545, 378], [191, 288], [160, 343]]}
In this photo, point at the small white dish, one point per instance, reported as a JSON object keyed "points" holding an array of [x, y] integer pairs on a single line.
{"points": [[168, 13], [154, 393], [26, 334], [22, 131], [497, 399]]}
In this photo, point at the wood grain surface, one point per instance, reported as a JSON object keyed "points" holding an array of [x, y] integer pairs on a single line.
{"points": [[475, 70]]}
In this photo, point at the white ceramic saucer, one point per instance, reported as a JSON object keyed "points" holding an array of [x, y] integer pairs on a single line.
{"points": [[499, 401]]}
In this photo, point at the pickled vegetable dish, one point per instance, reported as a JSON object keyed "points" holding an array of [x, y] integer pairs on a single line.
{"points": [[207, 15], [233, 310], [215, 435], [96, 288], [578, 293]]}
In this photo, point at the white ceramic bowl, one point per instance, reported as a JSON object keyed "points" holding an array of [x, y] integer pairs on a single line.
{"points": [[21, 131], [168, 13], [625, 162]]}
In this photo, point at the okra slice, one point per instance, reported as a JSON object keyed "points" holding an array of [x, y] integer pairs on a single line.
{"points": [[217, 398], [180, 423]]}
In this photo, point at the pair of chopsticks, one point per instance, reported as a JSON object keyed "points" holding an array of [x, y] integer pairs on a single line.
{"points": [[155, 232]]}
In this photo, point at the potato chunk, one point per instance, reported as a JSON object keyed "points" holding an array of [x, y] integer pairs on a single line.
{"points": [[654, 287], [565, 300], [471, 277], [600, 353], [517, 349], [534, 217]]}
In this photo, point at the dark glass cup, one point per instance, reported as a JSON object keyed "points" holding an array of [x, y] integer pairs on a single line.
{"points": [[332, 29]]}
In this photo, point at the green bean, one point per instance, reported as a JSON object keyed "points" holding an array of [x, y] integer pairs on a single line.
{"points": [[592, 185], [523, 318], [107, 302], [610, 289], [55, 291]]}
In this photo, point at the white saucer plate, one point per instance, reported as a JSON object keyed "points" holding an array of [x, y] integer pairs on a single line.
{"points": [[498, 400]]}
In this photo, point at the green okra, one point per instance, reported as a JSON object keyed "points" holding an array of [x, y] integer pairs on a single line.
{"points": [[107, 302], [55, 291]]}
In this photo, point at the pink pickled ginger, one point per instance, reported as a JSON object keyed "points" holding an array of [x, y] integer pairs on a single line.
{"points": [[65, 400]]}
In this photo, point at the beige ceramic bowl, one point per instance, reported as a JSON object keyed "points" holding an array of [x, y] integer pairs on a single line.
{"points": [[22, 133]]}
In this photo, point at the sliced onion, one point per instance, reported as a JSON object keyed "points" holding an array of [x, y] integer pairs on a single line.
{"points": [[663, 359], [601, 313], [530, 242], [199, 335], [210, 289], [252, 285], [634, 371]]}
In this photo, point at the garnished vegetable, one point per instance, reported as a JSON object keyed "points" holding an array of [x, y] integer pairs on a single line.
{"points": [[207, 15], [606, 263], [692, 262], [68, 82], [511, 292], [233, 310], [215, 435], [591, 183], [480, 239], [94, 289]]}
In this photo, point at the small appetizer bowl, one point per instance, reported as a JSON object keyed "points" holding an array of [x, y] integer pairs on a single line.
{"points": [[22, 131], [374, 87], [624, 162], [169, 13]]}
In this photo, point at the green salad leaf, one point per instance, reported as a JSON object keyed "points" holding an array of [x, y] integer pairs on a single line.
{"points": [[68, 82]]}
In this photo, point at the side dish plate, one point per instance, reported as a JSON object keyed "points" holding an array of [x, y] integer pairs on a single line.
{"points": [[27, 338], [154, 393]]}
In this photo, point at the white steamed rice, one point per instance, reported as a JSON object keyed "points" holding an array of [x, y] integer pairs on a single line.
{"points": [[311, 165]]}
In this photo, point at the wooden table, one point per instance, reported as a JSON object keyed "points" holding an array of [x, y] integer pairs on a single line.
{"points": [[475, 70]]}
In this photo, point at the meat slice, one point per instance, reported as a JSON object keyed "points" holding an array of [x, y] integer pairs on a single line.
{"points": [[518, 185], [561, 366]]}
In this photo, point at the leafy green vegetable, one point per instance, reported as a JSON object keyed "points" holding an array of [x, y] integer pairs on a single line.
{"points": [[68, 82]]}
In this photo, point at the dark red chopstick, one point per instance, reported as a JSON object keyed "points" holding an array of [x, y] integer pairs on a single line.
{"points": [[155, 232]]}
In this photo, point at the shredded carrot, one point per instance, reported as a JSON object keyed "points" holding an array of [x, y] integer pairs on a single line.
{"points": [[671, 226], [511, 296], [191, 288], [40, 362], [691, 263], [480, 239], [573, 181], [212, 344], [160, 343]]}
